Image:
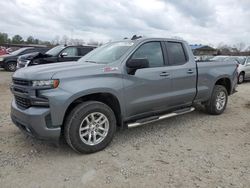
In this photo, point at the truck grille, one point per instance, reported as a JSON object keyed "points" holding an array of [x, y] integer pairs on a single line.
{"points": [[22, 102], [21, 82]]}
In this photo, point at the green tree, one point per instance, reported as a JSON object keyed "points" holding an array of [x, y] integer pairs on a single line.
{"points": [[17, 39], [3, 38], [30, 40], [36, 41]]}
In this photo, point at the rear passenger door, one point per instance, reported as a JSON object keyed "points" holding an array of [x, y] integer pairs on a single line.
{"points": [[69, 54], [183, 74]]}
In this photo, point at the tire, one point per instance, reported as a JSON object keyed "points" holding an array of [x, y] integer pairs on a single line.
{"points": [[212, 106], [10, 66], [81, 117], [241, 78]]}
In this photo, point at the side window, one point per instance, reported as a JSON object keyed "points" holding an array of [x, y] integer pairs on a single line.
{"points": [[42, 50], [152, 52], [71, 51], [248, 60], [84, 51], [30, 51], [25, 52], [176, 53]]}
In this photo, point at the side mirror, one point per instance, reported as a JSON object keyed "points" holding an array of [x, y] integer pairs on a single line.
{"points": [[64, 54], [134, 64]]}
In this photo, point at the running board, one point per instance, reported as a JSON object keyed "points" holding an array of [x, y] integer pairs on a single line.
{"points": [[157, 118]]}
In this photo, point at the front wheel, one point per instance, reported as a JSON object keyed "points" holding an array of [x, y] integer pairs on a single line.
{"points": [[218, 101], [90, 127], [241, 78], [11, 66]]}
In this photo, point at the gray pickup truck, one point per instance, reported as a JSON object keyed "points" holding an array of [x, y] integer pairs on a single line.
{"points": [[121, 84]]}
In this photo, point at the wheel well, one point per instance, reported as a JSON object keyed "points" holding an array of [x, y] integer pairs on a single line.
{"points": [[105, 98], [226, 83], [242, 72], [10, 61]]}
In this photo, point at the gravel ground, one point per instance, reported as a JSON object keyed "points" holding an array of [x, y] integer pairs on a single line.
{"points": [[192, 150]]}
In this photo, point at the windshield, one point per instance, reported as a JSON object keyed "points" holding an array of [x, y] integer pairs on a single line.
{"points": [[18, 51], [54, 51], [240, 60], [107, 53]]}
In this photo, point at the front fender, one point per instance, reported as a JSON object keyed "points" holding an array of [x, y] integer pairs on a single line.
{"points": [[61, 98]]}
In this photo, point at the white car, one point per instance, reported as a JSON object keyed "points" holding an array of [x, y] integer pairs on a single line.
{"points": [[244, 69]]}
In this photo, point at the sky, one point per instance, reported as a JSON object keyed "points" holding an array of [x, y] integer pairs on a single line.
{"points": [[196, 21]]}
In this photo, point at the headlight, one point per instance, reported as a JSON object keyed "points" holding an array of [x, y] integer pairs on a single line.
{"points": [[45, 83], [1, 58], [23, 61]]}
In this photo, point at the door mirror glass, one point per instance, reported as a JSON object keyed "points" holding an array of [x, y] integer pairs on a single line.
{"points": [[134, 64]]}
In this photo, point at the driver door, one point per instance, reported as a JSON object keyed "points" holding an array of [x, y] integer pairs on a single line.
{"points": [[147, 90]]}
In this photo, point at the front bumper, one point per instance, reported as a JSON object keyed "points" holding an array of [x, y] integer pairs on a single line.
{"points": [[1, 64], [35, 122]]}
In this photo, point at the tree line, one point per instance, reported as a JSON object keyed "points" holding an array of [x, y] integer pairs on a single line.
{"points": [[17, 39]]}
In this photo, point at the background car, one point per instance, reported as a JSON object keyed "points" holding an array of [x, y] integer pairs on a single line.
{"points": [[218, 58], [3, 50], [244, 69], [243, 62], [9, 61], [59, 53]]}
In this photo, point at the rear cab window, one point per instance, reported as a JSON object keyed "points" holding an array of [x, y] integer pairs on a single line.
{"points": [[176, 53]]}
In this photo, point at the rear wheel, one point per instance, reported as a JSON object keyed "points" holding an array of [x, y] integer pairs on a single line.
{"points": [[90, 127], [10, 66], [218, 101], [241, 78]]}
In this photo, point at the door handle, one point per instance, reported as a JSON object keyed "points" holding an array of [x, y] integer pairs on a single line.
{"points": [[190, 71], [164, 74]]}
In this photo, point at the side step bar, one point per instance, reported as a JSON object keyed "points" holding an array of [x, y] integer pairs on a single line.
{"points": [[157, 118]]}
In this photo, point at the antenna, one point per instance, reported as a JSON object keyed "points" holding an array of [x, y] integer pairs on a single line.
{"points": [[136, 37]]}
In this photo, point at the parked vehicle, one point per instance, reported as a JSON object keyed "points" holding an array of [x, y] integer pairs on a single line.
{"points": [[9, 61], [244, 69], [218, 58], [121, 84], [3, 51], [57, 54], [203, 57]]}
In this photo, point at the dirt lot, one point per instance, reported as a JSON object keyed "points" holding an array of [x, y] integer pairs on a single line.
{"points": [[193, 150]]}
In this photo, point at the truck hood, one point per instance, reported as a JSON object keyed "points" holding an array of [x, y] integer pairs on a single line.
{"points": [[43, 72]]}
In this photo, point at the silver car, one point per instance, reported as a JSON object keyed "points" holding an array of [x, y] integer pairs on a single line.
{"points": [[244, 68]]}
